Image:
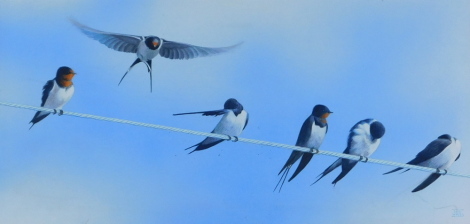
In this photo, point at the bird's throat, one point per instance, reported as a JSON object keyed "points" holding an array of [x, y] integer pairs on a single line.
{"points": [[66, 80]]}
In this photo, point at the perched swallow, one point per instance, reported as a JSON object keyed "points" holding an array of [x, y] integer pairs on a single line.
{"points": [[364, 138], [148, 47], [56, 93], [439, 154], [311, 135], [232, 123]]}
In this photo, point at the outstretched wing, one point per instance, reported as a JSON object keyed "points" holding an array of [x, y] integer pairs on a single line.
{"points": [[118, 42], [205, 113], [175, 50]]}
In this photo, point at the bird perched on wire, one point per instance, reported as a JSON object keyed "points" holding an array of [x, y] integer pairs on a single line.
{"points": [[148, 47], [56, 93], [233, 122], [311, 135], [440, 154], [364, 138]]}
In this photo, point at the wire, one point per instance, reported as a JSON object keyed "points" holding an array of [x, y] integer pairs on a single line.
{"points": [[252, 141]]}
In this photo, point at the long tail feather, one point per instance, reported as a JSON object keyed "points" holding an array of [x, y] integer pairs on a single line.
{"points": [[332, 167], [135, 62], [433, 177], [306, 157], [149, 67], [283, 178]]}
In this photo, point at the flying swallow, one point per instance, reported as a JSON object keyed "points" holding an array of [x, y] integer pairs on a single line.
{"points": [[56, 93], [364, 138], [439, 154], [232, 123], [311, 135], [148, 47]]}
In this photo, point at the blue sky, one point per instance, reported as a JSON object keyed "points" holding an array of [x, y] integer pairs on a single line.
{"points": [[404, 63]]}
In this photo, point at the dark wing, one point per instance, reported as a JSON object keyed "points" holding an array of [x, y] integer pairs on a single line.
{"points": [[294, 156], [347, 166], [38, 117], [305, 132], [306, 157], [302, 140], [433, 177], [175, 50], [395, 170], [46, 90], [248, 117], [205, 144], [329, 169], [432, 149], [206, 113], [118, 42], [457, 157]]}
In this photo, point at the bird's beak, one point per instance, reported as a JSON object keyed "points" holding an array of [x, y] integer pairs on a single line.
{"points": [[155, 44]]}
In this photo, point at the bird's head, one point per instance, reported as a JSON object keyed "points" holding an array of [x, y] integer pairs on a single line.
{"points": [[445, 136], [234, 105], [64, 76], [321, 111], [377, 130], [152, 42]]}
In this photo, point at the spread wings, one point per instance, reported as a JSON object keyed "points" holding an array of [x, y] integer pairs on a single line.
{"points": [[175, 50], [118, 42]]}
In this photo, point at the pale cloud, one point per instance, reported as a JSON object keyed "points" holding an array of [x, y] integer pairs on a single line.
{"points": [[36, 198], [18, 10]]}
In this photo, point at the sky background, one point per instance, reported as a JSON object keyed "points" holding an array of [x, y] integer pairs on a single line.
{"points": [[404, 63]]}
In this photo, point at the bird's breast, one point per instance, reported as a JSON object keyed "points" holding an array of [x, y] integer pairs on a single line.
{"points": [[230, 124], [59, 96], [444, 159], [361, 145], [316, 136], [145, 53]]}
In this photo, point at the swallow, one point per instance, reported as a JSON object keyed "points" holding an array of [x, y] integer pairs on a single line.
{"points": [[440, 154], [311, 135], [233, 122], [364, 138], [56, 93], [148, 47]]}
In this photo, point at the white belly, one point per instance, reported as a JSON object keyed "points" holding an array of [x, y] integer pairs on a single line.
{"points": [[362, 144], [316, 137], [445, 158], [230, 124], [58, 97], [145, 53]]}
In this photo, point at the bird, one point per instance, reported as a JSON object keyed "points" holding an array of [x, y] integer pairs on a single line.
{"points": [[148, 47], [233, 122], [440, 154], [311, 135], [56, 93], [364, 138]]}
